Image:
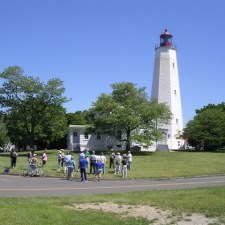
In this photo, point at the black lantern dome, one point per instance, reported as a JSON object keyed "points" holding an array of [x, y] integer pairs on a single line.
{"points": [[166, 39]]}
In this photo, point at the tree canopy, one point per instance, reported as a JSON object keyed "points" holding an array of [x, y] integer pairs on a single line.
{"points": [[128, 109], [33, 110], [207, 129]]}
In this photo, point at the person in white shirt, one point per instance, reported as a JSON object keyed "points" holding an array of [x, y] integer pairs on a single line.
{"points": [[67, 158], [118, 160], [129, 160], [103, 160]]}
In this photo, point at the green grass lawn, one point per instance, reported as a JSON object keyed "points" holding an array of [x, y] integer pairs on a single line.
{"points": [[52, 210], [144, 165]]}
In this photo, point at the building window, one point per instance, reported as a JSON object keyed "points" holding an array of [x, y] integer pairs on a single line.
{"points": [[175, 92], [75, 134], [85, 135], [98, 135], [119, 135], [173, 65]]}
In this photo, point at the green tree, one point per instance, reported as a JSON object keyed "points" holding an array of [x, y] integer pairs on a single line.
{"points": [[128, 109], [207, 129], [31, 107], [3, 134], [77, 118]]}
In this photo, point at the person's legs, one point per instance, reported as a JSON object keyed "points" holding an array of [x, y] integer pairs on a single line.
{"points": [[69, 173], [103, 169], [81, 174], [129, 165], [85, 175], [125, 172]]}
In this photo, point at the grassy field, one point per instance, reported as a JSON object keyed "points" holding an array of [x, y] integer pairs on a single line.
{"points": [[144, 165], [59, 210]]}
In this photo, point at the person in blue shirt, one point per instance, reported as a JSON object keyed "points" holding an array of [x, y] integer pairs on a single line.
{"points": [[82, 167], [98, 170], [71, 165]]}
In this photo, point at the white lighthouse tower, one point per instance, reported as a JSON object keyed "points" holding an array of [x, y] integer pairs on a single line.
{"points": [[166, 89]]}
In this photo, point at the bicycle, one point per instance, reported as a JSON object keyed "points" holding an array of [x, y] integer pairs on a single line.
{"points": [[34, 171]]}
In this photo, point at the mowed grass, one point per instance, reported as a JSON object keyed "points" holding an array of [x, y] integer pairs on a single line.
{"points": [[59, 210], [52, 210], [144, 165]]}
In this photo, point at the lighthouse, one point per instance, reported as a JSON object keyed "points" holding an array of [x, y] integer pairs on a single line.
{"points": [[166, 89]]}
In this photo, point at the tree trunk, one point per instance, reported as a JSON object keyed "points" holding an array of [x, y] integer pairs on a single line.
{"points": [[128, 140]]}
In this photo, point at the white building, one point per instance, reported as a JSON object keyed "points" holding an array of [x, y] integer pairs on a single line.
{"points": [[79, 139], [166, 89]]}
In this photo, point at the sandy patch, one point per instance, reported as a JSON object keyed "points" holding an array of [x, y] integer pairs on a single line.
{"points": [[154, 215]]}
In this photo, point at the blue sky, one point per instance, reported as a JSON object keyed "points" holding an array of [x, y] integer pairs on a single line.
{"points": [[90, 44]]}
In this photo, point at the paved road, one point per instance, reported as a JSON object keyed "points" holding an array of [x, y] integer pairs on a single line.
{"points": [[16, 186]]}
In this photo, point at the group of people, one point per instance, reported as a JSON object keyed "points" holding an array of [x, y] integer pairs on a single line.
{"points": [[96, 163], [33, 160], [120, 163], [31, 157]]}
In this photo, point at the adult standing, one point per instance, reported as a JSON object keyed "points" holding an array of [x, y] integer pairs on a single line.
{"points": [[67, 158], [98, 169], [129, 160], [124, 166], [92, 162], [71, 165], [103, 160], [13, 158], [60, 158], [81, 155], [118, 160], [63, 156], [112, 159], [82, 167], [87, 155], [44, 158]]}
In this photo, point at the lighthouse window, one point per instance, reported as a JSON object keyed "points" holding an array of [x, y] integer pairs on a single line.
{"points": [[175, 92], [173, 65], [176, 120]]}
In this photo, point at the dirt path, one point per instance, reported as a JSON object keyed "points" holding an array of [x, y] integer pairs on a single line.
{"points": [[154, 215]]}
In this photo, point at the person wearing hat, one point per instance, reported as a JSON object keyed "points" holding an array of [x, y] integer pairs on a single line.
{"points": [[81, 154], [33, 164], [112, 159], [118, 160]]}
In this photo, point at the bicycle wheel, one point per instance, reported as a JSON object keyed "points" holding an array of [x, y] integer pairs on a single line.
{"points": [[42, 173]]}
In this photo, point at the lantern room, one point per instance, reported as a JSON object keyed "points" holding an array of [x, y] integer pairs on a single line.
{"points": [[166, 39]]}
